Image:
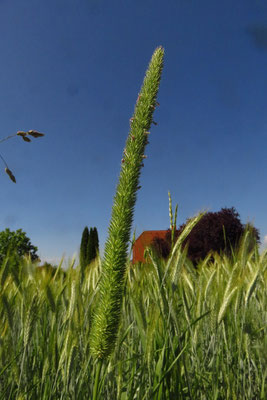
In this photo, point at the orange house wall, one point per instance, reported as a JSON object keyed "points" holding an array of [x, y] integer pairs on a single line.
{"points": [[143, 241]]}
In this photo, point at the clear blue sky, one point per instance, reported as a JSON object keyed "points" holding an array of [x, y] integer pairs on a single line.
{"points": [[73, 68]]}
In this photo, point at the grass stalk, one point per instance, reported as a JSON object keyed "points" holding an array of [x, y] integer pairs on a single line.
{"points": [[170, 344], [97, 379], [106, 318]]}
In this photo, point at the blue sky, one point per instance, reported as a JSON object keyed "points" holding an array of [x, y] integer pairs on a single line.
{"points": [[73, 68]]}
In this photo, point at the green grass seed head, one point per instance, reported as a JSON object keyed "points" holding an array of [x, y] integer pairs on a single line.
{"points": [[106, 319]]}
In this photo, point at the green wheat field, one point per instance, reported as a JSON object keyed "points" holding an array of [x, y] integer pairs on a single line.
{"points": [[185, 333]]}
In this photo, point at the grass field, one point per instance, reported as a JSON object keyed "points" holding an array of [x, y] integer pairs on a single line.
{"points": [[184, 333]]}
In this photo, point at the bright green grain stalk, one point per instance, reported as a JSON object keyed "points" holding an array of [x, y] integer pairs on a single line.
{"points": [[170, 210], [251, 287], [29, 321], [172, 220], [176, 253], [226, 302], [169, 345], [8, 311], [106, 319]]}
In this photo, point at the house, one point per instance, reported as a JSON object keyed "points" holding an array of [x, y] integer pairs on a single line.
{"points": [[143, 241]]}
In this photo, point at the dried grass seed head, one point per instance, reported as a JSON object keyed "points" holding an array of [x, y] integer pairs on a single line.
{"points": [[26, 139], [21, 133], [35, 134], [11, 176]]}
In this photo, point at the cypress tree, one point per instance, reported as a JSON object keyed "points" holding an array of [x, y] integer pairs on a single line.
{"points": [[83, 248], [92, 245], [96, 241]]}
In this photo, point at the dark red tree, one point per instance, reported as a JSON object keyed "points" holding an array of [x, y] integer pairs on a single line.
{"points": [[216, 231], [161, 247]]}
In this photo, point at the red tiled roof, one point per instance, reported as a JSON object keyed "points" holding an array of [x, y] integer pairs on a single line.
{"points": [[143, 241]]}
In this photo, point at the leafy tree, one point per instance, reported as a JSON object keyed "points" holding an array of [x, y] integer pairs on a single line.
{"points": [[16, 244], [216, 232]]}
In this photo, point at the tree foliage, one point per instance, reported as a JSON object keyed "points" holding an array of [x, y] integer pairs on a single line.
{"points": [[16, 245], [216, 232], [89, 246], [93, 245], [162, 247], [50, 270], [83, 247]]}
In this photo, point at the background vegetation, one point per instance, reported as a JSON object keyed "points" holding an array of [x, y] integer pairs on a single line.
{"points": [[89, 248], [216, 232], [16, 244], [184, 333]]}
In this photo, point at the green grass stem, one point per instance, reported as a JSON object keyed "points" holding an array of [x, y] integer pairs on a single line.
{"points": [[106, 318]]}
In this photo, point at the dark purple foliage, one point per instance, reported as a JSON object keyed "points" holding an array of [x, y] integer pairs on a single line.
{"points": [[216, 231], [161, 247]]}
